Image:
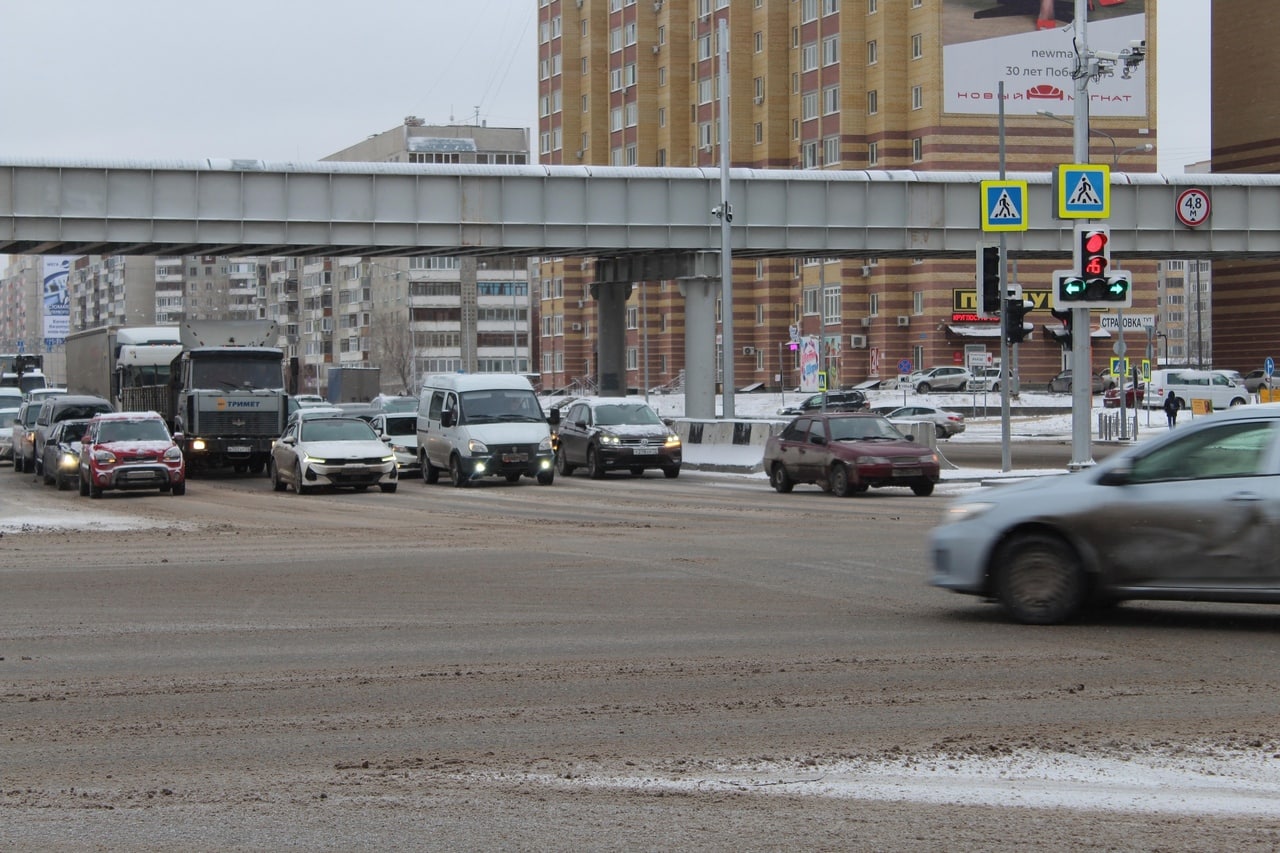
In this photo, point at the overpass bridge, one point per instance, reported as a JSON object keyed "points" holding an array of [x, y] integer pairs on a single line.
{"points": [[643, 223]]}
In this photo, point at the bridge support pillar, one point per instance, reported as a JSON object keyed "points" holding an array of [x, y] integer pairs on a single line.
{"points": [[611, 338], [700, 345]]}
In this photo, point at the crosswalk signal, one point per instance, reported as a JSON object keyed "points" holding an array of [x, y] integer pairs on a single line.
{"points": [[1063, 317], [1016, 328], [989, 297]]}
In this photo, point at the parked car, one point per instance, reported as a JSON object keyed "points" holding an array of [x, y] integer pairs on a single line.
{"points": [[23, 437], [604, 433], [1061, 384], [62, 408], [400, 431], [832, 401], [331, 451], [10, 408], [1255, 379], [61, 464], [944, 378], [1132, 397], [945, 423], [986, 379], [1188, 385], [847, 453], [1164, 519], [128, 451]]}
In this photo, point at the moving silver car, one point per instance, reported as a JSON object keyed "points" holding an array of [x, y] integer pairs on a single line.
{"points": [[1192, 515]]}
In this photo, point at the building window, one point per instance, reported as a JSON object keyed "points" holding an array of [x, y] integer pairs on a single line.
{"points": [[585, 67], [662, 116], [917, 302], [615, 118], [809, 155], [810, 300], [630, 157], [704, 47], [917, 97], [917, 46], [615, 39], [662, 157], [759, 133], [758, 37], [831, 50], [831, 151], [873, 153], [873, 102], [873, 53], [831, 304], [917, 149], [629, 34], [808, 11], [872, 5], [809, 57], [585, 103], [873, 305], [662, 75], [830, 100], [629, 74], [809, 106], [830, 7], [615, 80], [704, 90]]}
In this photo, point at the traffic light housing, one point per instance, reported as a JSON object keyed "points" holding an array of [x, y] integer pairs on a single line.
{"points": [[1093, 283], [989, 296], [1065, 318], [1013, 318]]}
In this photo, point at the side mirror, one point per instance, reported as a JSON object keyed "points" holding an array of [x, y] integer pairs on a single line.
{"points": [[1121, 475], [553, 417], [448, 418]]}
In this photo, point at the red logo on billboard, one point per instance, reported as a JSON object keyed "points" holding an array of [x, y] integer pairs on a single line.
{"points": [[1046, 92]]}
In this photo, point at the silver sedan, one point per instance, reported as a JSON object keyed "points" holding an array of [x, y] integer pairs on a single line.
{"points": [[331, 451]]}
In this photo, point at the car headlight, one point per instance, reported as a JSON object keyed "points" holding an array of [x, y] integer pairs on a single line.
{"points": [[965, 511], [475, 446], [609, 438], [390, 457], [104, 457], [400, 448], [173, 454], [314, 460], [547, 444], [69, 461], [929, 459], [673, 440]]}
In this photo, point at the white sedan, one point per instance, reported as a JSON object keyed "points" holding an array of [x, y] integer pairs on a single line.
{"points": [[332, 451], [945, 423]]}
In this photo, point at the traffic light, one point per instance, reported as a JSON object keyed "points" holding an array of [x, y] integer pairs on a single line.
{"points": [[1015, 326], [989, 280], [1065, 318], [1093, 284]]}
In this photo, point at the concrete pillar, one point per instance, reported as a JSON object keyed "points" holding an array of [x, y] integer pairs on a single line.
{"points": [[699, 345], [611, 338]]}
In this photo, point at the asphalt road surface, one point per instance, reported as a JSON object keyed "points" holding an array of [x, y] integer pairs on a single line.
{"points": [[603, 665]]}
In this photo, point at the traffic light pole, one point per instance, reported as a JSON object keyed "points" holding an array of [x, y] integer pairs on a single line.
{"points": [[1006, 461], [1081, 369]]}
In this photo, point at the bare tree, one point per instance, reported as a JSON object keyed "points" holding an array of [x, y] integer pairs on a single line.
{"points": [[392, 340]]}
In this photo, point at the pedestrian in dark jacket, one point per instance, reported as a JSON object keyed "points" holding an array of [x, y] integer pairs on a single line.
{"points": [[1171, 409]]}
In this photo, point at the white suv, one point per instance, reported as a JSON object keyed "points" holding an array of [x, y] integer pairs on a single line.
{"points": [[946, 378]]}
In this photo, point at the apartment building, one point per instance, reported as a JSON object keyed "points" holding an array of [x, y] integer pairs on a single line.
{"points": [[825, 84]]}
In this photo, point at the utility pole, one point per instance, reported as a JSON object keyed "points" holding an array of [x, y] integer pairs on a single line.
{"points": [[1081, 369]]}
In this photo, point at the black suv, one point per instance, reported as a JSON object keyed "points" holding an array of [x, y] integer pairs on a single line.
{"points": [[836, 401], [63, 408]]}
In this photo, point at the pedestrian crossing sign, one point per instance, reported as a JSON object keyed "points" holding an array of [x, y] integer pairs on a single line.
{"points": [[1083, 191], [1004, 205]]}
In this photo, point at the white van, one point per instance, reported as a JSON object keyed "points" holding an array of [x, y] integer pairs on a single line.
{"points": [[1188, 385], [474, 425]]}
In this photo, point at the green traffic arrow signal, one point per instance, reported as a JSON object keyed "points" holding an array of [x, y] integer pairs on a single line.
{"points": [[1071, 288], [1117, 287]]}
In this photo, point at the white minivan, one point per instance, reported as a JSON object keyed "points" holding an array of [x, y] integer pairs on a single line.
{"points": [[1188, 385], [473, 425]]}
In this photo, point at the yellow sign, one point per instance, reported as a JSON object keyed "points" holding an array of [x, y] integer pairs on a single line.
{"points": [[1119, 366], [1146, 370], [1004, 206], [1201, 407], [1083, 191], [822, 380]]}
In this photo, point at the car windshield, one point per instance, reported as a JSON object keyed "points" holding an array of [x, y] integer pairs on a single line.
{"points": [[149, 430], [614, 414], [336, 429], [502, 404], [862, 429]]}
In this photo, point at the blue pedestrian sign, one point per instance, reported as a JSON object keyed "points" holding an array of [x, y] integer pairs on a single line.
{"points": [[1004, 205], [1083, 191]]}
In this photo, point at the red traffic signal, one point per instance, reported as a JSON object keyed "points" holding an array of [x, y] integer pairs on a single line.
{"points": [[1095, 252]]}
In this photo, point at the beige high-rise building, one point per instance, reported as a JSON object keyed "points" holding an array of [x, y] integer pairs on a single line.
{"points": [[827, 84]]}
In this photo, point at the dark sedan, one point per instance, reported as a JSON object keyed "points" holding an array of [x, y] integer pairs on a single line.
{"points": [[847, 453], [831, 401], [604, 433]]}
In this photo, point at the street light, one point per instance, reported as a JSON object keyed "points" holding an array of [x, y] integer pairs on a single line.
{"points": [[1116, 153]]}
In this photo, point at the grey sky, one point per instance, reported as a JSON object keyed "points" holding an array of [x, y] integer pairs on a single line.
{"points": [[299, 79]]}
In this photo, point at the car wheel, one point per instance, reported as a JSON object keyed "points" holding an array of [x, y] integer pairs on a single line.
{"points": [[939, 431], [923, 489], [95, 491], [298, 488], [562, 463], [1039, 580], [430, 473], [388, 488], [1237, 402], [84, 485], [838, 477], [45, 475], [779, 480], [456, 476], [274, 473], [61, 480], [923, 388], [547, 477], [179, 489], [594, 468], [671, 472]]}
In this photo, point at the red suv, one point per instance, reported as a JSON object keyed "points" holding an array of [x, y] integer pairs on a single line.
{"points": [[130, 450]]}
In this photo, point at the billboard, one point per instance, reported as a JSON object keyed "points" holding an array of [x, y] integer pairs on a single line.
{"points": [[985, 44], [57, 303]]}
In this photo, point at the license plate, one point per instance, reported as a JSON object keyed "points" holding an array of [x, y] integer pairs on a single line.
{"points": [[908, 472], [644, 451], [515, 457], [239, 449]]}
